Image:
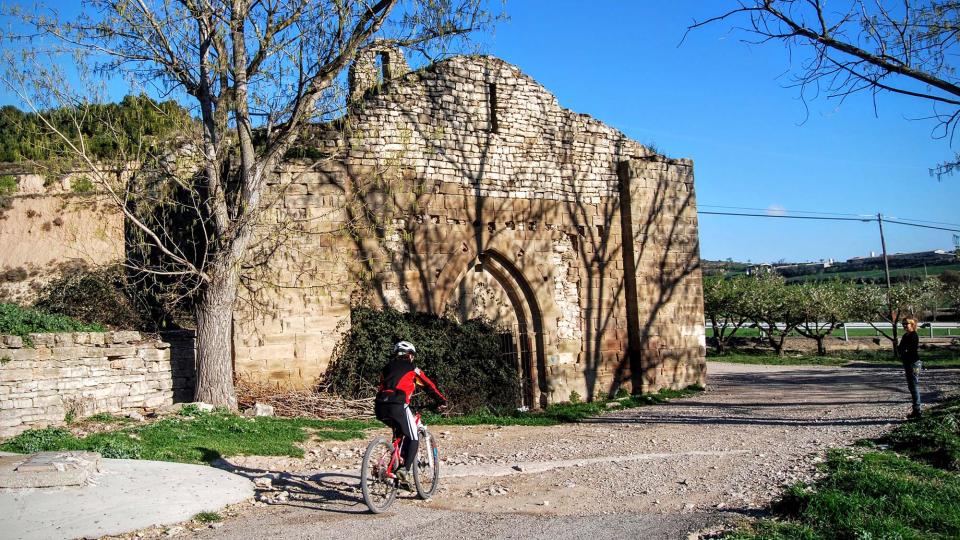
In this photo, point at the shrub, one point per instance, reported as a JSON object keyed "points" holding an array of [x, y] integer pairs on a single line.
{"points": [[81, 184], [18, 321], [463, 359], [96, 296], [8, 185]]}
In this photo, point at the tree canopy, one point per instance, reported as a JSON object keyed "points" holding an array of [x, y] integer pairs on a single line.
{"points": [[109, 130]]}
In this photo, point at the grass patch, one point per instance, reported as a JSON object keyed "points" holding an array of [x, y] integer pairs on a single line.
{"points": [[208, 517], [559, 413], [19, 321], [933, 439], [870, 495], [911, 493], [195, 437]]}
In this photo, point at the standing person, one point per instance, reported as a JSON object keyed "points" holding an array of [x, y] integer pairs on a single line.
{"points": [[398, 380], [910, 356]]}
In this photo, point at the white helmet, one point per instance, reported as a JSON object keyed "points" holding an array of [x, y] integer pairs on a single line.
{"points": [[404, 347]]}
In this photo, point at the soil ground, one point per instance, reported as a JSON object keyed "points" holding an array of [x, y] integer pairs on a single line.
{"points": [[664, 471]]}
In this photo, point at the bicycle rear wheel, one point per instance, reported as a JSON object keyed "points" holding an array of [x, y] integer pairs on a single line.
{"points": [[426, 473], [379, 490]]}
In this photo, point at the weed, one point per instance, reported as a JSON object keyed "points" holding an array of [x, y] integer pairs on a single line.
{"points": [[5, 360], [81, 184], [575, 397], [8, 185], [207, 517], [70, 416]]}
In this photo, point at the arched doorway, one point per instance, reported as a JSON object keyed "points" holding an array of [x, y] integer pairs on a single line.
{"points": [[492, 287]]}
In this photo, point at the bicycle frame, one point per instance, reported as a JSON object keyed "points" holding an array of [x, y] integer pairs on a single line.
{"points": [[395, 455]]}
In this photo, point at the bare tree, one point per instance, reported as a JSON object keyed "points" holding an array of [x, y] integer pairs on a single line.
{"points": [[257, 73], [907, 47]]}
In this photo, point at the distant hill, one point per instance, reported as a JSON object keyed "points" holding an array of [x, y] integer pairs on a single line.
{"points": [[902, 266]]}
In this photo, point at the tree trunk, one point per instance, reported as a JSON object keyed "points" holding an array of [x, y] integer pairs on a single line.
{"points": [[821, 348], [777, 343], [214, 315]]}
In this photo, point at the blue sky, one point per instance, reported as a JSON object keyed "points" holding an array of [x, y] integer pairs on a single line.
{"points": [[724, 104]]}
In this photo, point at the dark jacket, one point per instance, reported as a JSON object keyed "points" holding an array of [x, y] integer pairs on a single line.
{"points": [[908, 348]]}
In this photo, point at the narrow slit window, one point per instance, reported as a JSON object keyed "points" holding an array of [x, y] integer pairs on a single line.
{"points": [[383, 59], [492, 104]]}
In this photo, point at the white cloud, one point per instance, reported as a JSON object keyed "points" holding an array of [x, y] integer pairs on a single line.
{"points": [[776, 210]]}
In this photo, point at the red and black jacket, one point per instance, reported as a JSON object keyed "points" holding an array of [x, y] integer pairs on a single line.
{"points": [[400, 378]]}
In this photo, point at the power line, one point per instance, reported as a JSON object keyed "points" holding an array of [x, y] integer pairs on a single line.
{"points": [[864, 219], [821, 218], [786, 211]]}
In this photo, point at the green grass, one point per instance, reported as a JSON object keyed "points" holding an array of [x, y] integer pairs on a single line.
{"points": [[19, 321], [207, 517], [559, 413], [876, 275], [905, 494], [933, 439], [932, 358], [195, 437]]}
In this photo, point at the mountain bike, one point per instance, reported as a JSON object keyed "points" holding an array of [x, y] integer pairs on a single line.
{"points": [[378, 479]]}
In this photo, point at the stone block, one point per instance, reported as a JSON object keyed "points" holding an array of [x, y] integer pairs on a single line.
{"points": [[12, 342], [124, 336]]}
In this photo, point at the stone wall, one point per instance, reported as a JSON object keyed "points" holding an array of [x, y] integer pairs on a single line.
{"points": [[46, 226], [84, 373]]}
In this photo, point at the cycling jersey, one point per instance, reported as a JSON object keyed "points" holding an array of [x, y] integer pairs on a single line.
{"points": [[400, 378]]}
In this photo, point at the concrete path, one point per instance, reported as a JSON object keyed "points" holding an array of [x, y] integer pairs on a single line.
{"points": [[126, 495]]}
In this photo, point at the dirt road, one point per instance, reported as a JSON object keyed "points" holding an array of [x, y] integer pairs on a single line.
{"points": [[656, 472]]}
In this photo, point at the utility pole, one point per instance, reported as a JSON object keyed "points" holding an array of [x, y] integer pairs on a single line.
{"points": [[886, 271]]}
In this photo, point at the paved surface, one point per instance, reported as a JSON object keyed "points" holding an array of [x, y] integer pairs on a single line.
{"points": [[126, 495], [655, 472]]}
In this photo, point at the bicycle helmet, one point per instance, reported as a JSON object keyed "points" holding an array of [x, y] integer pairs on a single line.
{"points": [[404, 347]]}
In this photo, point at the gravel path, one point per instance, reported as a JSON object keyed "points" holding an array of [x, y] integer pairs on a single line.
{"points": [[660, 472]]}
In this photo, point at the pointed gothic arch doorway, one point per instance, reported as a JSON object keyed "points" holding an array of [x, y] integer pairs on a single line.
{"points": [[493, 287]]}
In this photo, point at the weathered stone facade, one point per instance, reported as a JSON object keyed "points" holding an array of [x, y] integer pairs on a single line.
{"points": [[86, 373], [464, 188]]}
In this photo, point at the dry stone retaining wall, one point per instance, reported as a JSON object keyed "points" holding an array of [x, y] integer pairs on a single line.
{"points": [[84, 373]]}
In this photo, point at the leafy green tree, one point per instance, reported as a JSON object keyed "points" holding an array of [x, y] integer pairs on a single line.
{"points": [[823, 307], [885, 310], [774, 307], [723, 307]]}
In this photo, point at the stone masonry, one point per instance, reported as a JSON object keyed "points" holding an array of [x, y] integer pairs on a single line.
{"points": [[85, 373], [464, 188]]}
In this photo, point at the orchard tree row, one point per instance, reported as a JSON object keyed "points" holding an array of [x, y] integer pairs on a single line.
{"points": [[815, 309]]}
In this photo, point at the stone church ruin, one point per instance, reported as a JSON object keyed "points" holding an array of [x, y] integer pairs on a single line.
{"points": [[460, 189], [464, 189]]}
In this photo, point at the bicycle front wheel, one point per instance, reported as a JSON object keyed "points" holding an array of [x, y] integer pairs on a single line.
{"points": [[379, 490], [426, 473]]}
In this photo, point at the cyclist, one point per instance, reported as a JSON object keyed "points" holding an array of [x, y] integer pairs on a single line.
{"points": [[398, 381]]}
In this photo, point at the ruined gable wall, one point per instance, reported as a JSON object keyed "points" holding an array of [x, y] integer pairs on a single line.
{"points": [[430, 187]]}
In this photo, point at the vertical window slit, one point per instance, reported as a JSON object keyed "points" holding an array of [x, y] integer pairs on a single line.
{"points": [[492, 104]]}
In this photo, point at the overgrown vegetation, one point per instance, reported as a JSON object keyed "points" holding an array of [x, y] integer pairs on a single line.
{"points": [[100, 296], [195, 437], [109, 130], [19, 321], [879, 494], [464, 360]]}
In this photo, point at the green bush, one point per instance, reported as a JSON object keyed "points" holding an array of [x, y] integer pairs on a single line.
{"points": [[81, 185], [463, 359], [8, 185], [95, 296], [18, 321]]}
